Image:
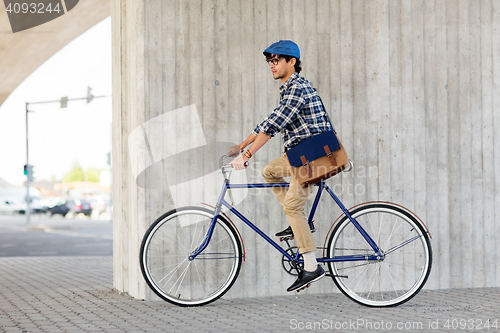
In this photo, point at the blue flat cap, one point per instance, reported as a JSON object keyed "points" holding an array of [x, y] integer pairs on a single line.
{"points": [[283, 47]]}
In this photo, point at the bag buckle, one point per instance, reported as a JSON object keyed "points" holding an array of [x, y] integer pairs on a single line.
{"points": [[330, 156], [305, 164]]}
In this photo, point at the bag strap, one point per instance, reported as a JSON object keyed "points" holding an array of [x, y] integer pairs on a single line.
{"points": [[326, 113], [305, 165]]}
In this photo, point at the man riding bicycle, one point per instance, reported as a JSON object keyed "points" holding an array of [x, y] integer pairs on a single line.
{"points": [[299, 115]]}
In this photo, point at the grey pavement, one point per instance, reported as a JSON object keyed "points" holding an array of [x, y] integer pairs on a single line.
{"points": [[75, 294]]}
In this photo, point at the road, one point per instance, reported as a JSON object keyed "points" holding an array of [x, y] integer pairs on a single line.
{"points": [[55, 236]]}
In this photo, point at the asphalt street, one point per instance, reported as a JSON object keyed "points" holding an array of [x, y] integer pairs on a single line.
{"points": [[55, 236]]}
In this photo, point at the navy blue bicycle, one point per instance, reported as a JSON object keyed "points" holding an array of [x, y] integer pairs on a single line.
{"points": [[378, 253]]}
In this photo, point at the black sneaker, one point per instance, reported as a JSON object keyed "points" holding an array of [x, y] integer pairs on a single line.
{"points": [[288, 231], [305, 278]]}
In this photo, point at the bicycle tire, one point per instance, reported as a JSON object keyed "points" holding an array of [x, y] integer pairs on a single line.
{"points": [[167, 245], [405, 266]]}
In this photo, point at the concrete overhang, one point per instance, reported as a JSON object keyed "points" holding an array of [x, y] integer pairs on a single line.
{"points": [[23, 52]]}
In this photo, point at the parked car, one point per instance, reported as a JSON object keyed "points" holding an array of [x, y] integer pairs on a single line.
{"points": [[72, 206], [61, 208], [77, 206], [39, 205], [12, 206], [99, 205]]}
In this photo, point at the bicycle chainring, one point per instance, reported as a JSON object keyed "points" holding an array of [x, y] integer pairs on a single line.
{"points": [[288, 265]]}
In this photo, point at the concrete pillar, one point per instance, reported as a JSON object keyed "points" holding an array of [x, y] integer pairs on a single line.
{"points": [[172, 118], [410, 87]]}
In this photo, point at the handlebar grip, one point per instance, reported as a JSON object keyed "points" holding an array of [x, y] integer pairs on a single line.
{"points": [[230, 166]]}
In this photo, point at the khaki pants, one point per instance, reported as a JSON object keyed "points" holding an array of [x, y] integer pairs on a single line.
{"points": [[292, 200]]}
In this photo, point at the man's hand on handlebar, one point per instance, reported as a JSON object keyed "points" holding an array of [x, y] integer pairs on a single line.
{"points": [[240, 163]]}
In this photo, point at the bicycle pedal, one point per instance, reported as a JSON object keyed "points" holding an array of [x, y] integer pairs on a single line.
{"points": [[286, 238], [304, 287]]}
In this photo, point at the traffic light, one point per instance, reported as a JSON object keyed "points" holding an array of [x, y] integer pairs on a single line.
{"points": [[89, 95], [28, 171], [64, 102]]}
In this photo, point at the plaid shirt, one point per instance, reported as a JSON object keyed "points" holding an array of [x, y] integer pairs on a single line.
{"points": [[299, 115]]}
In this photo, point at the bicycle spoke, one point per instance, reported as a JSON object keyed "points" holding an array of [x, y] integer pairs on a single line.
{"points": [[180, 279], [352, 267], [214, 244], [194, 235], [202, 284], [172, 272], [376, 271], [363, 272], [402, 244], [393, 280], [391, 234], [184, 249], [163, 267], [402, 265], [207, 278], [370, 224], [351, 249]]}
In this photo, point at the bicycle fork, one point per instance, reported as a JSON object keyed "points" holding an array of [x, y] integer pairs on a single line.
{"points": [[211, 228]]}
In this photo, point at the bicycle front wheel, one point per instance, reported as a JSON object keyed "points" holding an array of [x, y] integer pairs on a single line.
{"points": [[403, 268], [165, 251]]}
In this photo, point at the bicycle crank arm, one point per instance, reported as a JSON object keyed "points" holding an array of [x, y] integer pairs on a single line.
{"points": [[341, 276]]}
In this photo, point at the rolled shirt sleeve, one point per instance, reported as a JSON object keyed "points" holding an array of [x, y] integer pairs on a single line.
{"points": [[256, 130]]}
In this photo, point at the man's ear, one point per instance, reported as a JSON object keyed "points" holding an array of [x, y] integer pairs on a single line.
{"points": [[293, 61]]}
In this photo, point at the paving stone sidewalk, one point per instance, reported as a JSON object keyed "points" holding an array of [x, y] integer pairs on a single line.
{"points": [[75, 294]]}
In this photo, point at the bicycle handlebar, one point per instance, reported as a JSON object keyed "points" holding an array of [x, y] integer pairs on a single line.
{"points": [[228, 166]]}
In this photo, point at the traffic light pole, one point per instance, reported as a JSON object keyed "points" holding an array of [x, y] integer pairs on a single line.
{"points": [[63, 101], [28, 199]]}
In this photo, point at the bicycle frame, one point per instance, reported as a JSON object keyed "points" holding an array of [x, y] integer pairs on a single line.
{"points": [[322, 187]]}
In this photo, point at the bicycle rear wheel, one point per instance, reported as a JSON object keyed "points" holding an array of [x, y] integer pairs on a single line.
{"points": [[404, 267], [165, 251]]}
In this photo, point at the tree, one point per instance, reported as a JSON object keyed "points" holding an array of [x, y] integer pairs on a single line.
{"points": [[94, 175], [77, 174]]}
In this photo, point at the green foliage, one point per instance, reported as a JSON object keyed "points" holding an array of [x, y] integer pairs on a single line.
{"points": [[94, 175], [77, 174]]}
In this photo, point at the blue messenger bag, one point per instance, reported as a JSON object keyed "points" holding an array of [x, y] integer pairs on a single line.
{"points": [[317, 158]]}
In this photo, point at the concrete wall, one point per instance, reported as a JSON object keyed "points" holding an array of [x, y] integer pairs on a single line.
{"points": [[411, 86]]}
